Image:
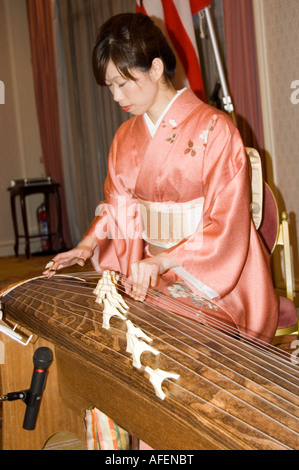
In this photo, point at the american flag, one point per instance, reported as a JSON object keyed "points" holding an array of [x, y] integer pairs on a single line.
{"points": [[174, 17]]}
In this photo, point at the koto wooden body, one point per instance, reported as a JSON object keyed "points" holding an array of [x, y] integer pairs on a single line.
{"points": [[229, 395]]}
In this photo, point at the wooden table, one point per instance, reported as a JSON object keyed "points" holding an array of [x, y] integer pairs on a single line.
{"points": [[24, 188]]}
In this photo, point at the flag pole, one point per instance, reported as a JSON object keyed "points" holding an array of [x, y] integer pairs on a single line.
{"points": [[228, 105]]}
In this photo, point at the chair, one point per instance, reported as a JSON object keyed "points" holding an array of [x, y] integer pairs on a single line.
{"points": [[274, 231]]}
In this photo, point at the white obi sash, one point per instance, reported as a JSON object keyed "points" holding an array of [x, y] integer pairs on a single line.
{"points": [[165, 224]]}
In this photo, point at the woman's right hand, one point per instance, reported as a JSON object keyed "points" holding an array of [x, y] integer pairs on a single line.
{"points": [[77, 255]]}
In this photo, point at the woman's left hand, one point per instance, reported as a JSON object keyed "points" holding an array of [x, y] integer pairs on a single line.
{"points": [[144, 274]]}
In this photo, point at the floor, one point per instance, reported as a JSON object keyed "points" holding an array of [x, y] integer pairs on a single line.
{"points": [[13, 269]]}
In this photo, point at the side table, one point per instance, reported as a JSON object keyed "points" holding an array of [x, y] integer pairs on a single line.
{"points": [[24, 188]]}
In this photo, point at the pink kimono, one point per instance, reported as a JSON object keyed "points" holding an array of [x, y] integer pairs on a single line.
{"points": [[195, 154]]}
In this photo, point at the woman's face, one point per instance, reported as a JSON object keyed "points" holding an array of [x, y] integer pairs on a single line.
{"points": [[136, 97]]}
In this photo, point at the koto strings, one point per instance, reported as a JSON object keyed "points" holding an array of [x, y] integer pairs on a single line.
{"points": [[277, 368]]}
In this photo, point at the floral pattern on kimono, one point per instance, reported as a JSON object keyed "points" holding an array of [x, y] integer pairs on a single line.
{"points": [[196, 152], [180, 289]]}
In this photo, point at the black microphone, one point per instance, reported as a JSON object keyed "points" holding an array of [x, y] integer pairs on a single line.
{"points": [[42, 359]]}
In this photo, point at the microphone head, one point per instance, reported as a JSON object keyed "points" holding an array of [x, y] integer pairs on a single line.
{"points": [[42, 358]]}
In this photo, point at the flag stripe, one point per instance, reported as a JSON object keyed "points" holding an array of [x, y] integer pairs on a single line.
{"points": [[152, 8], [197, 5], [179, 29], [184, 47], [185, 15], [140, 8]]}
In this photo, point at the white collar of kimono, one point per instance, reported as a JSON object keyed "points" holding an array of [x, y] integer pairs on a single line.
{"points": [[153, 127]]}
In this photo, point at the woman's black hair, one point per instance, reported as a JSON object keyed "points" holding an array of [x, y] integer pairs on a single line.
{"points": [[131, 41]]}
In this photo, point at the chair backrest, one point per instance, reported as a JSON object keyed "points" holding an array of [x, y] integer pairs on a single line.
{"points": [[275, 231], [256, 206], [265, 214], [284, 241], [269, 227]]}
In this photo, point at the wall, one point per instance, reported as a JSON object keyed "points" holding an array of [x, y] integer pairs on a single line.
{"points": [[20, 148], [277, 38]]}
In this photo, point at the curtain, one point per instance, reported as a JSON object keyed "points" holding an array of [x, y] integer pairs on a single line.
{"points": [[89, 117], [43, 63], [243, 70]]}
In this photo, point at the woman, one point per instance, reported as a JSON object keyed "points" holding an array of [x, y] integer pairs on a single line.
{"points": [[177, 194]]}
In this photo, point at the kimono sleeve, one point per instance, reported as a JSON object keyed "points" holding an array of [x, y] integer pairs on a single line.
{"points": [[216, 253], [117, 227]]}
